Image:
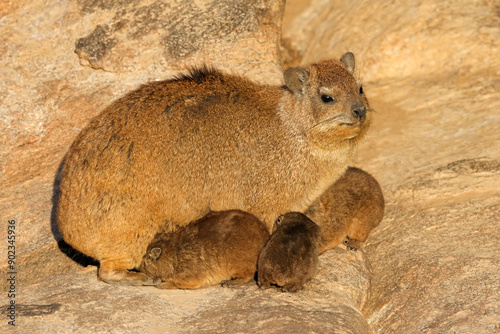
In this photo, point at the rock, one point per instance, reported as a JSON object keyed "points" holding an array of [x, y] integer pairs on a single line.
{"points": [[431, 72], [78, 302], [399, 40], [176, 35]]}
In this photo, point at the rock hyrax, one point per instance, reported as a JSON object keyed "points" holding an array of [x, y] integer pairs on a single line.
{"points": [[222, 247], [207, 141], [290, 257], [356, 206]]}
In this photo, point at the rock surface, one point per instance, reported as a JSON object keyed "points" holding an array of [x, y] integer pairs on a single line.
{"points": [[432, 73], [78, 302]]}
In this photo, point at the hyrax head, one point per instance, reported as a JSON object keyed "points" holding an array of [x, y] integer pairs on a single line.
{"points": [[337, 107], [295, 217], [150, 264]]}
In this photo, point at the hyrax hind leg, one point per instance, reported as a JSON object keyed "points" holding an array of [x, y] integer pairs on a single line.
{"points": [[115, 271]]}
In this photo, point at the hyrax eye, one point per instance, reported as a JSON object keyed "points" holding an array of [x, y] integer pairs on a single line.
{"points": [[326, 98], [361, 90]]}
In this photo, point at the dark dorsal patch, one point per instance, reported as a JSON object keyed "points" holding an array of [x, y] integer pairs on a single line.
{"points": [[200, 75]]}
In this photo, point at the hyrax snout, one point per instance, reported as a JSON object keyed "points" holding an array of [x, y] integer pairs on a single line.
{"points": [[207, 141], [222, 247], [355, 205], [290, 257]]}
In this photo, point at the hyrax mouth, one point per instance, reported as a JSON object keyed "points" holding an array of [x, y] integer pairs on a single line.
{"points": [[325, 134], [339, 120]]}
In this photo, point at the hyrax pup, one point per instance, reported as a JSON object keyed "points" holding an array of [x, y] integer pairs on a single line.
{"points": [[207, 141], [222, 247], [352, 207], [290, 257]]}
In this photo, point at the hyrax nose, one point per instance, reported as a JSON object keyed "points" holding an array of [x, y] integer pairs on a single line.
{"points": [[358, 110]]}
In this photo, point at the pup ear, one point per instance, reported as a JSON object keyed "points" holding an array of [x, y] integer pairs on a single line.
{"points": [[348, 61], [296, 79], [155, 253]]}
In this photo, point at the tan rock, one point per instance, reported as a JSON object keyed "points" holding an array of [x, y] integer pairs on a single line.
{"points": [[431, 71], [148, 36], [396, 40], [78, 302]]}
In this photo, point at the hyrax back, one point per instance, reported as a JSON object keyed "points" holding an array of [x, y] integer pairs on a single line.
{"points": [[290, 257], [220, 247], [349, 210], [174, 150]]}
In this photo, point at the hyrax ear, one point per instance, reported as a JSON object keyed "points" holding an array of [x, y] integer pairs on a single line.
{"points": [[348, 61], [155, 253], [296, 79], [277, 223]]}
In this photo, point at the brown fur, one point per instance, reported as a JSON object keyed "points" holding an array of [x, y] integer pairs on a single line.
{"points": [[222, 247], [290, 257], [352, 207], [174, 150]]}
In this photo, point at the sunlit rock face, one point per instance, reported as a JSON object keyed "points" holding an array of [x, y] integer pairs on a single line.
{"points": [[431, 71]]}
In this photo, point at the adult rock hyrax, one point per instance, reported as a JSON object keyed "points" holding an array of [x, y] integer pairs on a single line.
{"points": [[355, 204], [290, 257], [207, 141], [222, 247]]}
